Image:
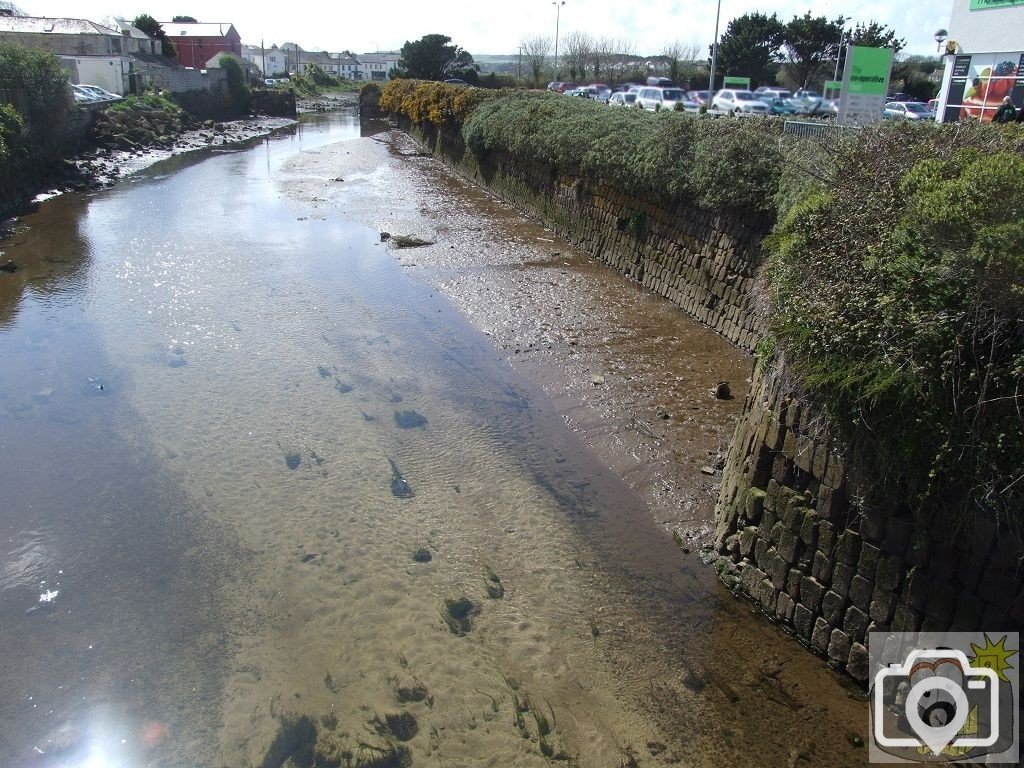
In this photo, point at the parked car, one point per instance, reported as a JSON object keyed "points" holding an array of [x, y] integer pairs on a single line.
{"points": [[898, 97], [575, 92], [665, 98], [933, 105], [766, 92], [82, 96], [98, 93], [553, 85], [907, 110], [563, 87], [622, 99], [602, 91], [779, 106], [660, 82], [739, 102], [804, 94], [701, 97]]}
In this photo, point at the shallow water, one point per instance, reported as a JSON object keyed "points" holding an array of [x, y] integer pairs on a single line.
{"points": [[207, 452]]}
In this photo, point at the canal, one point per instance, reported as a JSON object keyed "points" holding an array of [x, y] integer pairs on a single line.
{"points": [[271, 490]]}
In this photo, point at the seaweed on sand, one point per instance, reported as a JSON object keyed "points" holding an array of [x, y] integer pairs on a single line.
{"points": [[400, 725], [458, 615], [294, 744]]}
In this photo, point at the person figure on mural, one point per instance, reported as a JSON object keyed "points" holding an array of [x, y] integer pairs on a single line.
{"points": [[1006, 112]]}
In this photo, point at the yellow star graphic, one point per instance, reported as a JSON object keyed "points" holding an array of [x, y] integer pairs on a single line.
{"points": [[994, 656]]}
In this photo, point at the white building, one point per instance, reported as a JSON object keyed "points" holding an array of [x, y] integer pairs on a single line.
{"points": [[378, 66], [985, 59], [269, 61]]}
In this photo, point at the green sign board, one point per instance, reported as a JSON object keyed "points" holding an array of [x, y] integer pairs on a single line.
{"points": [[736, 82], [985, 5], [869, 70], [833, 85]]}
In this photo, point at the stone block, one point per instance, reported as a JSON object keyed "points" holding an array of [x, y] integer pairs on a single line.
{"points": [[861, 590], [842, 577], [826, 536], [777, 569], [858, 663], [748, 537], [838, 646], [868, 560], [915, 590], [889, 573], [872, 525], [789, 546], [764, 528], [767, 595], [760, 550], [906, 619], [775, 534], [855, 623], [751, 578], [832, 607], [883, 603], [821, 569], [754, 505], [819, 461], [940, 603], [931, 624], [803, 621], [796, 510], [771, 495], [821, 634], [809, 530], [784, 608], [897, 536], [811, 593], [832, 504], [848, 548], [793, 579]]}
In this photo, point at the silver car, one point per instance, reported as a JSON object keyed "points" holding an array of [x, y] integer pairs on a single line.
{"points": [[655, 99], [739, 102], [622, 99]]}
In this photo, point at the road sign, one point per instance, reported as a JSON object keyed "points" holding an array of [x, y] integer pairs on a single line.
{"points": [[865, 84]]}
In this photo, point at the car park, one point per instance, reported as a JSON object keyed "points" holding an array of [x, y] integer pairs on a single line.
{"points": [[665, 98], [563, 87], [601, 92], [622, 99], [804, 94], [739, 102], [907, 110]]}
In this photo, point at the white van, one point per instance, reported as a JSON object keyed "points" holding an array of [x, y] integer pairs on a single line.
{"points": [[665, 98]]}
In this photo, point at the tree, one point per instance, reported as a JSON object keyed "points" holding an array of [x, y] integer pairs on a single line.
{"points": [[874, 35], [577, 46], [10, 9], [237, 86], [536, 50], [152, 27], [679, 59], [810, 41], [750, 47], [184, 20], [433, 58]]}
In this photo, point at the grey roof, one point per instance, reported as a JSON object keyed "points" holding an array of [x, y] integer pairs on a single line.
{"points": [[200, 29], [122, 26], [380, 58], [52, 26]]}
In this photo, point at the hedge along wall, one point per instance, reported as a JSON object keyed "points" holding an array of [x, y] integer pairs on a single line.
{"points": [[703, 261], [872, 483]]}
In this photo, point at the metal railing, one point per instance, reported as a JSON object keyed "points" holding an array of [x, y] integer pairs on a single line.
{"points": [[807, 129]]}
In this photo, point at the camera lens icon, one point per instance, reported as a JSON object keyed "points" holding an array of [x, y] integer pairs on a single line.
{"points": [[937, 706]]}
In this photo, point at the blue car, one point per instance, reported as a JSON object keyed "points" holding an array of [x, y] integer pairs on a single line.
{"points": [[781, 107]]}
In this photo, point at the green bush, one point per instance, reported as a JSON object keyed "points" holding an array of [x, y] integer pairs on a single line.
{"points": [[237, 87], [10, 131], [897, 302], [38, 75]]}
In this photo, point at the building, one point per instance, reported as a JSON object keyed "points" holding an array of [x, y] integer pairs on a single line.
{"points": [[347, 66], [90, 52], [134, 39], [269, 61], [984, 61], [197, 43], [378, 66]]}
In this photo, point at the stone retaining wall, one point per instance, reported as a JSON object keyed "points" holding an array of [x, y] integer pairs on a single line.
{"points": [[796, 540], [705, 263]]}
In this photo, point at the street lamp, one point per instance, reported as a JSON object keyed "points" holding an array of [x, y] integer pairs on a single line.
{"points": [[839, 50], [940, 38], [558, 15], [714, 57]]}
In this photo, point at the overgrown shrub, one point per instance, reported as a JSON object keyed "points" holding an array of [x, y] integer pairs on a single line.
{"points": [[897, 303], [37, 74], [237, 87]]}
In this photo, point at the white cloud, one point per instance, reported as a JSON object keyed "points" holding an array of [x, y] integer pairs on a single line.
{"points": [[498, 27]]}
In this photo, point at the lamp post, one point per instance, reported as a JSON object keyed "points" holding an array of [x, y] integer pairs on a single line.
{"points": [[940, 38], [714, 57], [558, 15], [839, 50]]}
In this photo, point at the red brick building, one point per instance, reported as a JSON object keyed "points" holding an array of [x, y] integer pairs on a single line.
{"points": [[198, 43]]}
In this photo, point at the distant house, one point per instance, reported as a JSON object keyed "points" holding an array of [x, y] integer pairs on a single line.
{"points": [[347, 66], [134, 39], [378, 66], [269, 61], [197, 43]]}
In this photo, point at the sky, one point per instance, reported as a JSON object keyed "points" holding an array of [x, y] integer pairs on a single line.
{"points": [[498, 28]]}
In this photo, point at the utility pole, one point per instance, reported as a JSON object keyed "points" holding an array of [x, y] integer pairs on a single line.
{"points": [[714, 57], [520, 76], [558, 16], [263, 56]]}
